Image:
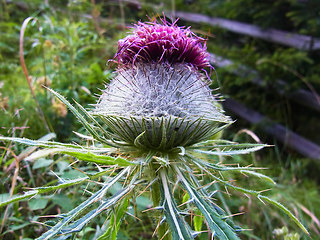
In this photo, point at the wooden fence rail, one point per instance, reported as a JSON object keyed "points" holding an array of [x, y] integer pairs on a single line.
{"points": [[298, 41], [278, 131], [300, 96]]}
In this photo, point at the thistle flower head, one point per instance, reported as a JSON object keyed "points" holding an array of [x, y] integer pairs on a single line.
{"points": [[154, 42], [159, 98]]}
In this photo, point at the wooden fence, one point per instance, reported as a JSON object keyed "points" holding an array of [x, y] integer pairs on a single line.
{"points": [[303, 97], [298, 41]]}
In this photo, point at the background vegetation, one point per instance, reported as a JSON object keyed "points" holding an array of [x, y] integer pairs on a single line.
{"points": [[66, 47]]}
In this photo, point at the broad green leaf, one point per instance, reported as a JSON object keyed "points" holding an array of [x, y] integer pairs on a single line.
{"points": [[37, 203], [143, 202], [4, 197], [16, 227], [186, 197], [63, 201], [198, 220], [41, 163], [73, 174]]}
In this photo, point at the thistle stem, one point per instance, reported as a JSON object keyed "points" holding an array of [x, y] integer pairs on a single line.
{"points": [[156, 199]]}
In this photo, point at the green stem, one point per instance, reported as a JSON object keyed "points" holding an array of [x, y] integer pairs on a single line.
{"points": [[156, 199]]}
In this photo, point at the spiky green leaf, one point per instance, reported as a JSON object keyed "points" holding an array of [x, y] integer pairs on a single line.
{"points": [[179, 228], [217, 225], [70, 216]]}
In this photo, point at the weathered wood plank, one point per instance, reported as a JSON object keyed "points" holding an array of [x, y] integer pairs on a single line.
{"points": [[298, 41], [300, 96], [278, 131]]}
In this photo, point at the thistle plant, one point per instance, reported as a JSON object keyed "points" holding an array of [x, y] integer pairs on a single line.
{"points": [[153, 131]]}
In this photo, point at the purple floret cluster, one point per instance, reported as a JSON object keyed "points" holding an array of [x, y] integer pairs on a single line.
{"points": [[153, 42]]}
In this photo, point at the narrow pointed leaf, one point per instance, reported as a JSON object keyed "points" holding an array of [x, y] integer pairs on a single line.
{"points": [[40, 190], [99, 159], [179, 228], [79, 152], [51, 144], [259, 175], [80, 223], [245, 150], [217, 225], [115, 221], [81, 118], [17, 198], [70, 216], [285, 210], [259, 196]]}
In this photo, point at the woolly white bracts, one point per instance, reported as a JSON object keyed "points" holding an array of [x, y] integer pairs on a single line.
{"points": [[170, 105], [159, 90]]}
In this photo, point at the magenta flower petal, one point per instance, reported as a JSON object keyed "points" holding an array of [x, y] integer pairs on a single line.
{"points": [[154, 42]]}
